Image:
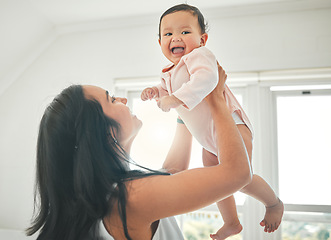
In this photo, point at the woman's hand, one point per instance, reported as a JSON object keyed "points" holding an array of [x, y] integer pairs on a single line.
{"points": [[218, 92]]}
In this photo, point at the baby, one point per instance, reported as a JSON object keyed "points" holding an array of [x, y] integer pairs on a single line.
{"points": [[190, 77]]}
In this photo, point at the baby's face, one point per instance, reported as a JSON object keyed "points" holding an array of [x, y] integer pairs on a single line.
{"points": [[180, 34]]}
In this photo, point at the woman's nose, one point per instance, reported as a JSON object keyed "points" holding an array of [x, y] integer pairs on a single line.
{"points": [[122, 100]]}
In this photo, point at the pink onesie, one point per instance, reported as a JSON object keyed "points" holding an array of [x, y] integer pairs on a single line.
{"points": [[191, 80]]}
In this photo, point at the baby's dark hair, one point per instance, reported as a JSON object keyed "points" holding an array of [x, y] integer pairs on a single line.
{"points": [[187, 8]]}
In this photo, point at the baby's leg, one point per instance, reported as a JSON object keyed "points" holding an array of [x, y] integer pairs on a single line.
{"points": [[227, 207], [260, 190], [232, 225]]}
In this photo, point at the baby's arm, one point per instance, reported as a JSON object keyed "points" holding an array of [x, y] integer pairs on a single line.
{"points": [[202, 67], [168, 102], [155, 92]]}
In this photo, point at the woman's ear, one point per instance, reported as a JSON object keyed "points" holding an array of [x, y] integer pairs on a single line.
{"points": [[159, 41], [203, 39]]}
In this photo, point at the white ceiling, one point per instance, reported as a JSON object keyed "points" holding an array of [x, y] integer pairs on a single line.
{"points": [[61, 12]]}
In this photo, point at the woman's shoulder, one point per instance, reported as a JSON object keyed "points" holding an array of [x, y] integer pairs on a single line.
{"points": [[138, 188]]}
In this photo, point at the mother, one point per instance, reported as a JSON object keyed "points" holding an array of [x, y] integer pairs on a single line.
{"points": [[85, 185]]}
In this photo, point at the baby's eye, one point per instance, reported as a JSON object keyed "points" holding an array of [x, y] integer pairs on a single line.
{"points": [[168, 34], [185, 32], [113, 98]]}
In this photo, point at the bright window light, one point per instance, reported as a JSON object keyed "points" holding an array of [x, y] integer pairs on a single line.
{"points": [[304, 149], [155, 137], [299, 87]]}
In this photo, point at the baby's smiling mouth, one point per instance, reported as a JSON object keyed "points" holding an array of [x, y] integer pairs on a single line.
{"points": [[177, 50]]}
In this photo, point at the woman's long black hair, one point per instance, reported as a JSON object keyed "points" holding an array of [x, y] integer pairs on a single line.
{"points": [[81, 169]]}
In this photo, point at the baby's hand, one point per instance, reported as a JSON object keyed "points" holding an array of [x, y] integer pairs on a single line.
{"points": [[149, 93], [168, 102]]}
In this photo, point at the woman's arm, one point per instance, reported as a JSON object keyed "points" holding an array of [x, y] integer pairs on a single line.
{"points": [[179, 154], [157, 197]]}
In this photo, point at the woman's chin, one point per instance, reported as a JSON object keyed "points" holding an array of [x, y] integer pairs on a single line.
{"points": [[139, 124]]}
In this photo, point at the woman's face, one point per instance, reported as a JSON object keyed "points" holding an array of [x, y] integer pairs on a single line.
{"points": [[116, 108]]}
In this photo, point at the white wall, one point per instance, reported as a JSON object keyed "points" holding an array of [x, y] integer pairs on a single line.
{"points": [[253, 43], [271, 42], [24, 33]]}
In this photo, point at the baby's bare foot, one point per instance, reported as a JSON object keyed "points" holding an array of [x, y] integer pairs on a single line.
{"points": [[227, 230], [273, 217]]}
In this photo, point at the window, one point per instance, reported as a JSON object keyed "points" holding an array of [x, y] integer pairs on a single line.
{"points": [[200, 224], [304, 147], [291, 150], [158, 131], [154, 139], [304, 162]]}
